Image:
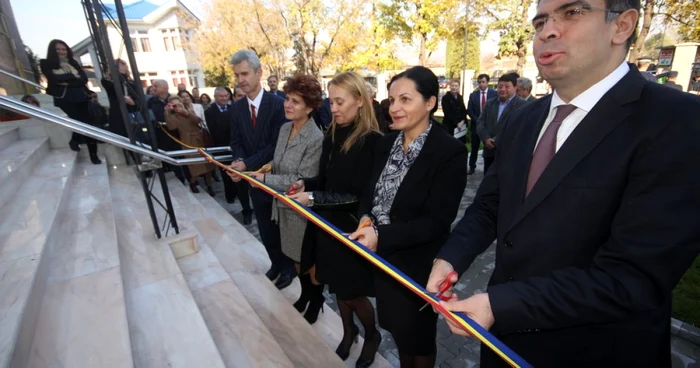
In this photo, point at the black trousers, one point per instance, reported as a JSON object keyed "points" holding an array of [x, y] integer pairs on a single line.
{"points": [[233, 190], [487, 163], [80, 111], [269, 231], [476, 142]]}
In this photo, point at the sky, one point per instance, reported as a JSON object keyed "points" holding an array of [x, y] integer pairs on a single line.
{"points": [[40, 21]]}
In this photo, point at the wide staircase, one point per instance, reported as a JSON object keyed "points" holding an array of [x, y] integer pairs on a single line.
{"points": [[85, 283]]}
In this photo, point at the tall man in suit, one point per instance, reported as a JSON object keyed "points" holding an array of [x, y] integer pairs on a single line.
{"points": [[495, 114], [524, 89], [477, 102], [454, 110], [219, 116], [256, 122], [593, 203]]}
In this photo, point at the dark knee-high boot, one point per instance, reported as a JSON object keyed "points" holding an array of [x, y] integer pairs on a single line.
{"points": [[305, 281]]}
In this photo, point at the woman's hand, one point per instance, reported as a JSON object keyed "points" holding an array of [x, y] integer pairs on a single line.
{"points": [[129, 101], [302, 198], [257, 176], [367, 237], [299, 186]]}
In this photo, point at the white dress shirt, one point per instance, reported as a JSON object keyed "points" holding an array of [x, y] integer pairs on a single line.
{"points": [[256, 103], [584, 104]]}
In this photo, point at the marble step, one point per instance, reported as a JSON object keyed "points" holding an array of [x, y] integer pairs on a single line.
{"points": [[248, 255], [242, 338], [16, 164], [165, 324], [8, 135], [27, 224], [244, 259], [83, 319]]}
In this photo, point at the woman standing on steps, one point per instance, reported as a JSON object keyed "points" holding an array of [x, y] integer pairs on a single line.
{"points": [[116, 121], [334, 194], [297, 155], [67, 83], [187, 123]]}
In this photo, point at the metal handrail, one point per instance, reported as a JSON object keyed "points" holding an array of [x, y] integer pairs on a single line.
{"points": [[22, 79], [102, 135]]}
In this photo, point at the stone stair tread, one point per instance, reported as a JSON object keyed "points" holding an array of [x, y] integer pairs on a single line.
{"points": [[296, 337], [83, 318], [16, 163], [242, 338], [26, 223], [166, 326], [8, 135]]}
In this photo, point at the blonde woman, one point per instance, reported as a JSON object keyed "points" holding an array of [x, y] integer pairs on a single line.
{"points": [[345, 166], [187, 123]]}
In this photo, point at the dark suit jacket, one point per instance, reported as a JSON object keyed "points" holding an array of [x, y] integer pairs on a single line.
{"points": [[47, 68], [490, 125], [585, 265], [256, 146], [279, 93], [474, 104], [425, 204], [219, 124], [454, 110], [531, 98]]}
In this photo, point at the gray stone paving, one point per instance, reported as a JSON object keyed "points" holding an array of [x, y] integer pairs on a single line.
{"points": [[457, 351]]}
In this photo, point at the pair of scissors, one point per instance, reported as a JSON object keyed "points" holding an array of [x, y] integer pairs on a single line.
{"points": [[364, 224], [444, 286]]}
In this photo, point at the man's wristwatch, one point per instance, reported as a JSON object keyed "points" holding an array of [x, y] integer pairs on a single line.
{"points": [[311, 199]]}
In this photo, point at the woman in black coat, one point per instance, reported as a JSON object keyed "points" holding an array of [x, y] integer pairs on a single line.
{"points": [[128, 86], [417, 181], [334, 194], [67, 83]]}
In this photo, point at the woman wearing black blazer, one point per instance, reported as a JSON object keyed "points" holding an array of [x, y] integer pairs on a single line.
{"points": [[67, 83], [335, 193], [417, 181], [128, 86]]}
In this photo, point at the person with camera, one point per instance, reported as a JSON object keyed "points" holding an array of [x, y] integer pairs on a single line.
{"points": [[186, 122]]}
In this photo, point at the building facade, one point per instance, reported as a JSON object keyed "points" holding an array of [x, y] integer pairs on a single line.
{"points": [[13, 57], [159, 35]]}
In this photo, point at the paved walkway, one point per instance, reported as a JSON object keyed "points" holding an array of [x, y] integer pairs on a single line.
{"points": [[457, 351]]}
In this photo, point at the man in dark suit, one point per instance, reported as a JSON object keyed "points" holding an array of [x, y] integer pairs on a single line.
{"points": [[524, 89], [455, 112], [495, 114], [477, 102], [593, 204], [272, 83], [219, 116], [256, 122]]}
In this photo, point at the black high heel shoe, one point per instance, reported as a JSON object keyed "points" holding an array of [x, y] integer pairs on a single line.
{"points": [[343, 351], [364, 362], [210, 190], [315, 305], [193, 188], [305, 281]]}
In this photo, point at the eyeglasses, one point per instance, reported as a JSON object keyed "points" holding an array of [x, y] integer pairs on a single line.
{"points": [[567, 14]]}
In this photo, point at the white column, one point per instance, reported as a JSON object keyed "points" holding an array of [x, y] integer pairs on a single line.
{"points": [[683, 60]]}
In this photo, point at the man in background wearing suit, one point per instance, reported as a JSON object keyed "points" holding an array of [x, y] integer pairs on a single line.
{"points": [[219, 115], [477, 102], [593, 203], [256, 122], [272, 83], [455, 112], [494, 115], [524, 89]]}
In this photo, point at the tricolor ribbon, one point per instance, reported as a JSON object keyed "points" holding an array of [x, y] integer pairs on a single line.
{"points": [[458, 318]]}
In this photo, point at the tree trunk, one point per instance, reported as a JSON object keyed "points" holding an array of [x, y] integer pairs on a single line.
{"points": [[522, 57], [646, 24], [423, 56]]}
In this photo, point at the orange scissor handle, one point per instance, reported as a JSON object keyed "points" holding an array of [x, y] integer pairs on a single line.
{"points": [[364, 224]]}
